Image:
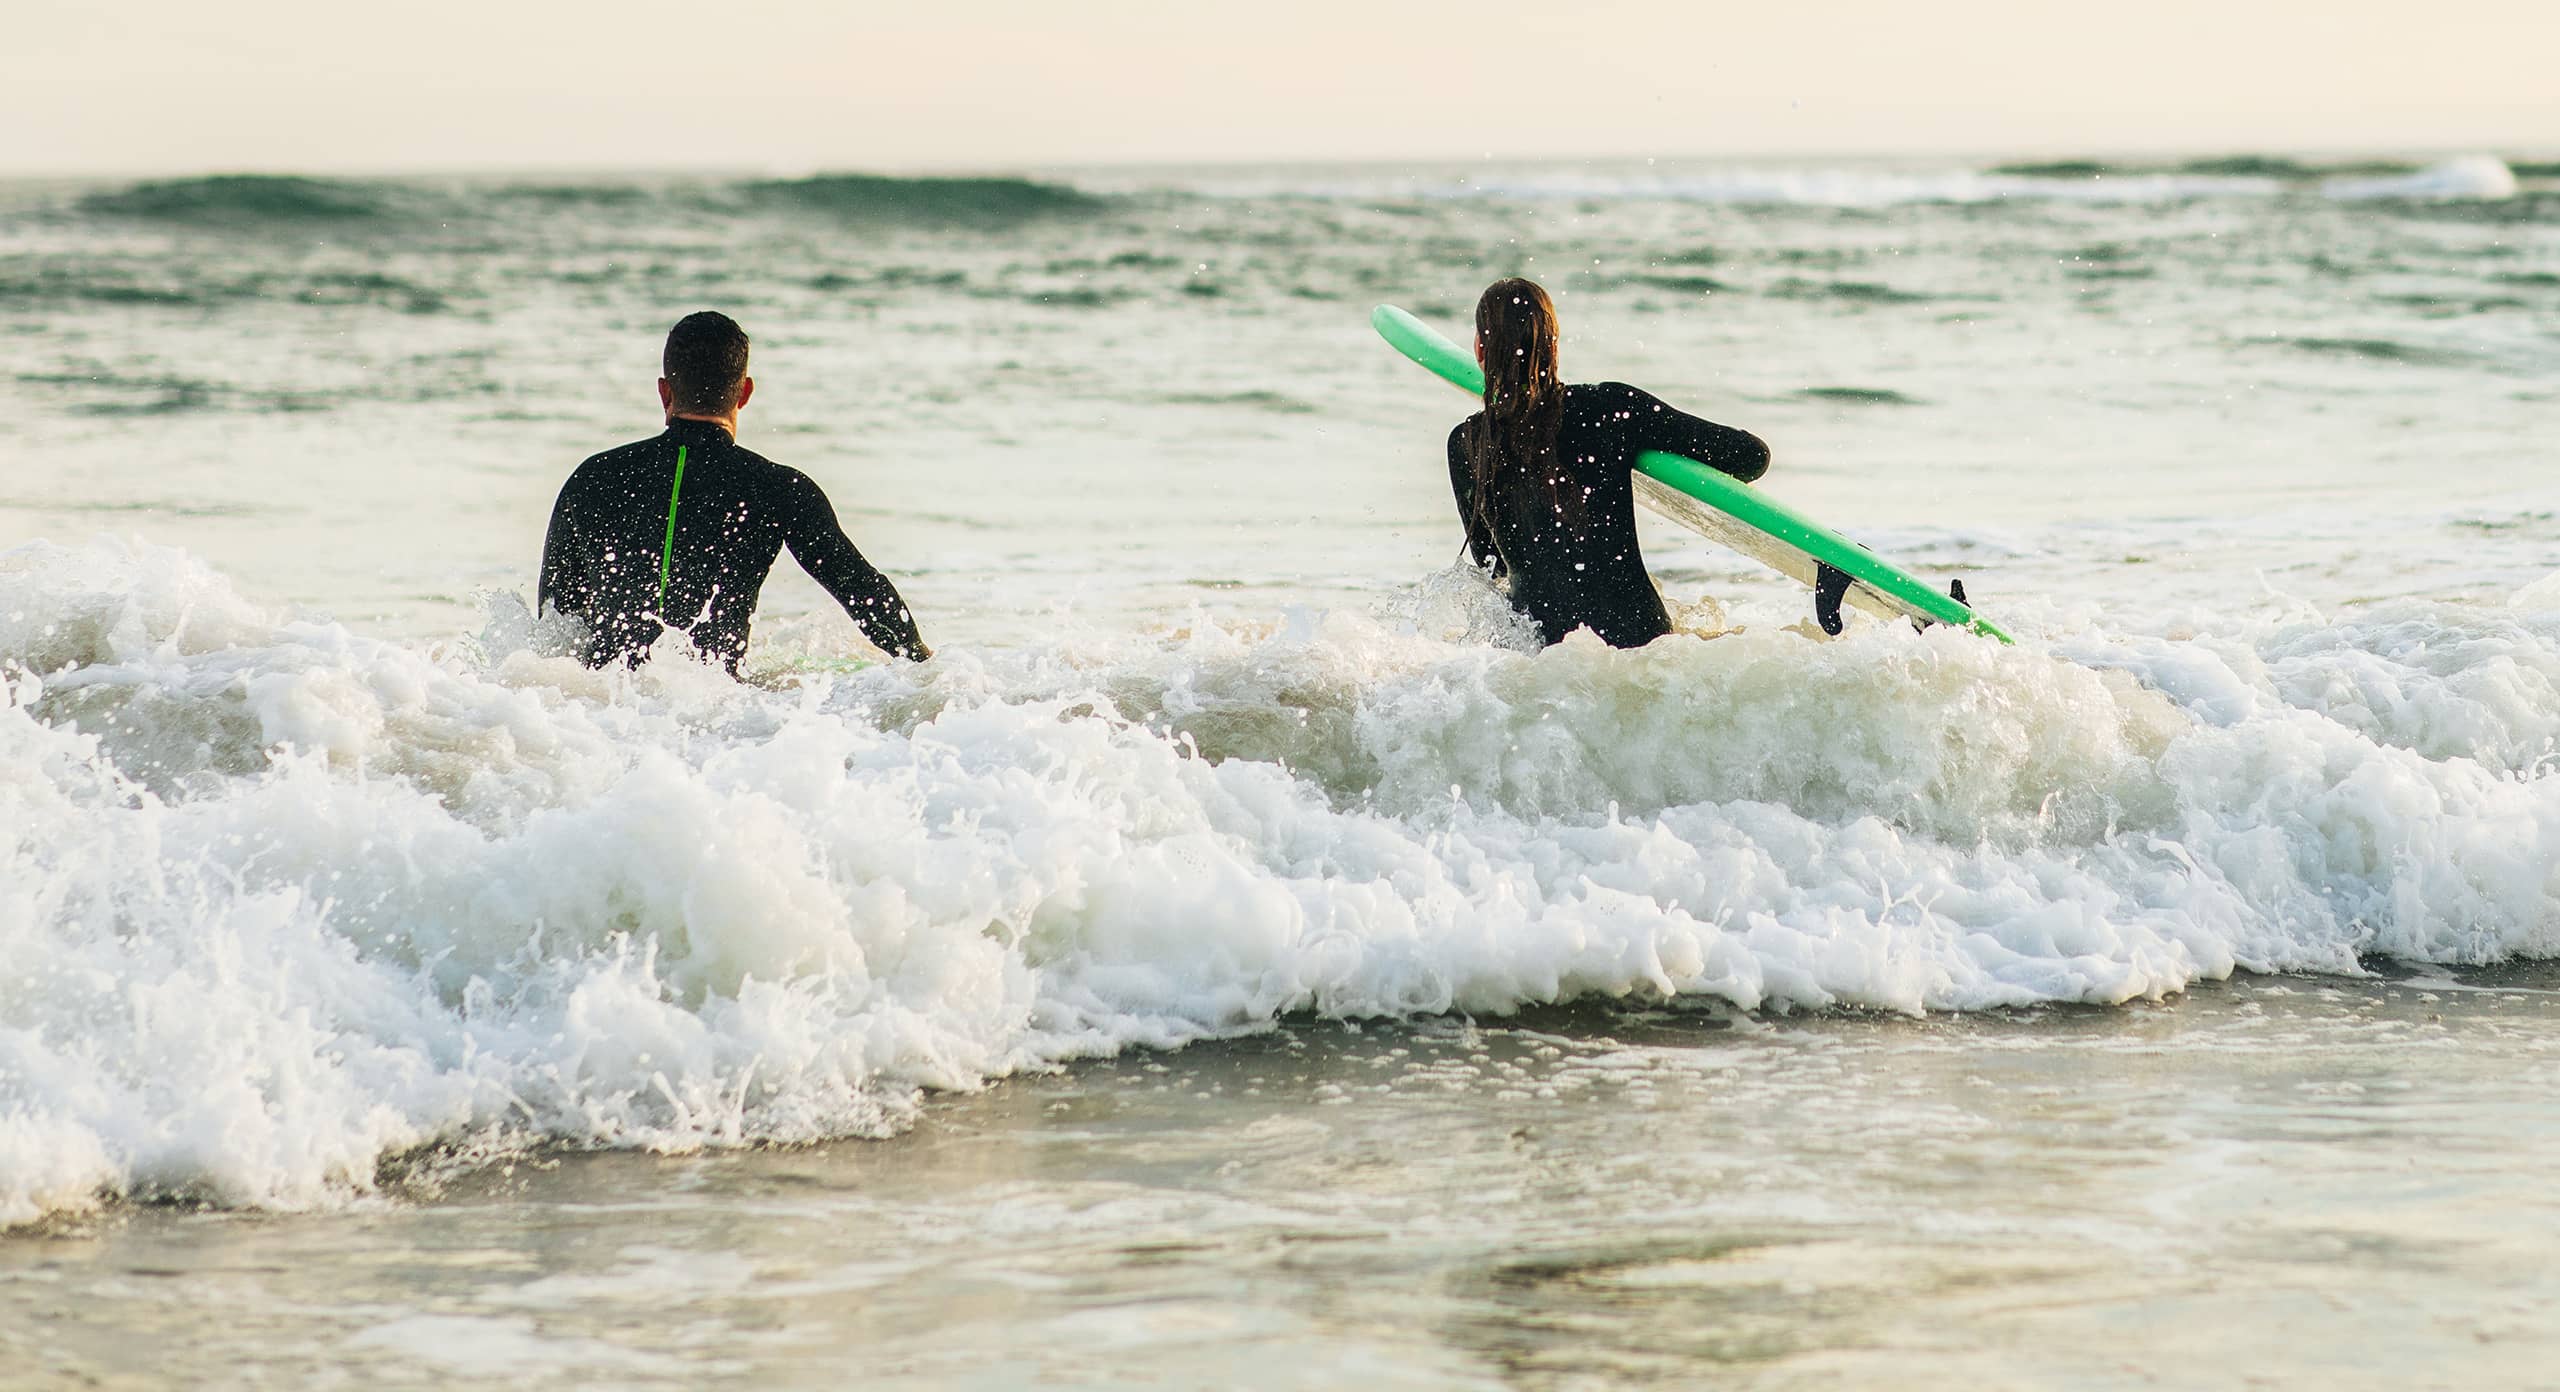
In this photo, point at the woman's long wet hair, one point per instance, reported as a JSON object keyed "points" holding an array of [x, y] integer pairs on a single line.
{"points": [[1518, 479]]}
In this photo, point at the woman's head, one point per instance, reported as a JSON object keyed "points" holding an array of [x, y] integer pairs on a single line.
{"points": [[1521, 487], [1516, 342]]}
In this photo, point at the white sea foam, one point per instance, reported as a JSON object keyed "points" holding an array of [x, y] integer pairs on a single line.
{"points": [[282, 900], [2466, 177], [1767, 185], [2470, 177], [1844, 188]]}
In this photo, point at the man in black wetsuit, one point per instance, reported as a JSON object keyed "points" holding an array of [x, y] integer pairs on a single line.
{"points": [[679, 531]]}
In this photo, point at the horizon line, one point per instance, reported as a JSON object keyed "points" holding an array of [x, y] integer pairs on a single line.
{"points": [[997, 168]]}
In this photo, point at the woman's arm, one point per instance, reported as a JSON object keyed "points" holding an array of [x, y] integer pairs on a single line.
{"points": [[1651, 425], [1462, 482]]}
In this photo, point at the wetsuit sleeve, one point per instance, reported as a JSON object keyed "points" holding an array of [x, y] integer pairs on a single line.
{"points": [[819, 544], [564, 563], [1651, 425], [1462, 482]]}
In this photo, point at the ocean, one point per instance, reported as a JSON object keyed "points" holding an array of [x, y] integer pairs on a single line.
{"points": [[1240, 958]]}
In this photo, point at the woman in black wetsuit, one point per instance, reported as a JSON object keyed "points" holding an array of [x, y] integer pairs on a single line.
{"points": [[1544, 481]]}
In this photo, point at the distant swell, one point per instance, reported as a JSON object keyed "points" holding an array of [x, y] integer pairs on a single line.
{"points": [[2467, 177], [2248, 167], [169, 285], [2056, 169], [241, 198], [1859, 396], [87, 288], [1846, 291], [936, 201], [1681, 284], [2278, 168], [2380, 350]]}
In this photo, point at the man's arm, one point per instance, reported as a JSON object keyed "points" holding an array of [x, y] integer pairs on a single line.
{"points": [[564, 561], [819, 544], [1651, 425]]}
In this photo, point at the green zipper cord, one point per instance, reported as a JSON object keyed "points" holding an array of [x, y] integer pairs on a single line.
{"points": [[667, 553]]}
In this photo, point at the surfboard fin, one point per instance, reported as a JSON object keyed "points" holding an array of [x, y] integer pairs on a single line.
{"points": [[1955, 591], [1830, 586]]}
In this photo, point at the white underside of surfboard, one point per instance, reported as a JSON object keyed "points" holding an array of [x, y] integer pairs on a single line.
{"points": [[1759, 546]]}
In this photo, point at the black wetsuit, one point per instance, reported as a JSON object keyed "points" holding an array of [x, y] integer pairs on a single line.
{"points": [[1590, 572], [732, 515]]}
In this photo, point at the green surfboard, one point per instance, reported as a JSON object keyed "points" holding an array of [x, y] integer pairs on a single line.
{"points": [[1724, 509]]}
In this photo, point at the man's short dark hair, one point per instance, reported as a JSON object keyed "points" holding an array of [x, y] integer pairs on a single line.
{"points": [[706, 360]]}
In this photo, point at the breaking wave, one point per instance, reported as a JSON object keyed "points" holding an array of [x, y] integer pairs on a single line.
{"points": [[285, 903], [2474, 177]]}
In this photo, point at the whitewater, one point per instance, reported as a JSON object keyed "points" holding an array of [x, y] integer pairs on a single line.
{"points": [[306, 900], [332, 886]]}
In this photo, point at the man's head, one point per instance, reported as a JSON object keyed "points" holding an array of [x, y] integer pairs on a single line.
{"points": [[706, 367]]}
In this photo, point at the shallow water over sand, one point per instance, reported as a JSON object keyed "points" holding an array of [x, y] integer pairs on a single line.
{"points": [[2266, 1182]]}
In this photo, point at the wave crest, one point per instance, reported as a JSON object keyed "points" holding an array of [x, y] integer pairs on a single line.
{"points": [[2476, 177]]}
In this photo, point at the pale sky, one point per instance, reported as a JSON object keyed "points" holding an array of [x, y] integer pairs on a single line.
{"points": [[800, 85]]}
